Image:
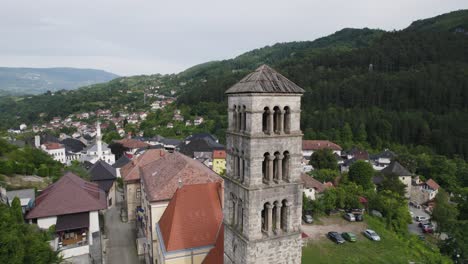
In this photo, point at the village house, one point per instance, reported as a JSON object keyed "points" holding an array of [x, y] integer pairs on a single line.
{"points": [[311, 187], [159, 181], [198, 120], [310, 146], [131, 174], [395, 169], [382, 160], [99, 151], [72, 205], [122, 161], [56, 150], [219, 161], [423, 192], [170, 125], [201, 241], [104, 175], [132, 145]]}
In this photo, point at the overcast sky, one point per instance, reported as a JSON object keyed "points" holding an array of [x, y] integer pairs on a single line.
{"points": [[142, 37]]}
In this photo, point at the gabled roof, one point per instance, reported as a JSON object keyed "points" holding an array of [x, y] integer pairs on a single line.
{"points": [[432, 184], [122, 161], [395, 168], [386, 154], [132, 143], [102, 171], [131, 171], [310, 182], [69, 195], [199, 145], [319, 144], [359, 154], [53, 145], [161, 177], [193, 217], [265, 80], [73, 145]]}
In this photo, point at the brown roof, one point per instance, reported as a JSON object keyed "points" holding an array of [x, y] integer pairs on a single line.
{"points": [[131, 170], [69, 195], [161, 177], [193, 218], [53, 145], [319, 144], [132, 143], [310, 182], [216, 254], [431, 183], [265, 80], [219, 154]]}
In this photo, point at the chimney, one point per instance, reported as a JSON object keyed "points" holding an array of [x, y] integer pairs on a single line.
{"points": [[180, 183], [37, 141]]}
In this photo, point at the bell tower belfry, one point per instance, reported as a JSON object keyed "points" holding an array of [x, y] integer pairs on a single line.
{"points": [[263, 192]]}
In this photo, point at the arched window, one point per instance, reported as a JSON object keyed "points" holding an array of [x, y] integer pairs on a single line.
{"points": [[244, 118], [233, 208], [265, 217], [242, 172], [276, 119], [234, 118], [284, 215], [239, 120], [274, 213], [265, 120], [287, 120], [240, 211], [265, 166], [237, 164], [285, 167]]}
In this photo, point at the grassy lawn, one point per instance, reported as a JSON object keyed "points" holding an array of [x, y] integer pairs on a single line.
{"points": [[391, 249]]}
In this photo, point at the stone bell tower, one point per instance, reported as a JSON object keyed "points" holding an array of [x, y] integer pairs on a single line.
{"points": [[263, 192]]}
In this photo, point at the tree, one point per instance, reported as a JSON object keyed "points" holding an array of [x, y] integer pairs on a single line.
{"points": [[361, 173], [444, 213], [323, 159], [325, 175], [393, 184], [16, 210], [361, 135], [346, 133]]}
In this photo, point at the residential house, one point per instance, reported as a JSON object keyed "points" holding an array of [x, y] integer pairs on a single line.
{"points": [[72, 205], [132, 145], [195, 243], [160, 180], [310, 146], [423, 192], [105, 176], [395, 169], [219, 161], [56, 150], [170, 125], [382, 160], [200, 146], [311, 187], [73, 149], [198, 120], [26, 197], [131, 174]]}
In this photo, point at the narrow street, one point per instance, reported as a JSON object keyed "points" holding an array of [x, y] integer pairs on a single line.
{"points": [[120, 246]]}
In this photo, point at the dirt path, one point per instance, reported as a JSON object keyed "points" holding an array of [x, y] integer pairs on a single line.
{"points": [[334, 223]]}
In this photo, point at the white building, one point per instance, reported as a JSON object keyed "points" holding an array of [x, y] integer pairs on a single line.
{"points": [[56, 150], [98, 151]]}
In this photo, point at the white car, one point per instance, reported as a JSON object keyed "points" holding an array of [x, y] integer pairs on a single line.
{"points": [[421, 218], [350, 217], [372, 235]]}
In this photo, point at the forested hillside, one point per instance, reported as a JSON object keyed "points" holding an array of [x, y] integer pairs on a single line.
{"points": [[363, 86]]}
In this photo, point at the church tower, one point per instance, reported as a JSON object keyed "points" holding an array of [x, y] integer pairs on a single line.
{"points": [[263, 192]]}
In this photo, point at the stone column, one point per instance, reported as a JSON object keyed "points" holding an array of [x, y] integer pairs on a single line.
{"points": [[278, 217], [287, 173], [270, 123], [241, 168], [270, 218], [288, 221], [235, 173], [271, 160], [279, 169]]}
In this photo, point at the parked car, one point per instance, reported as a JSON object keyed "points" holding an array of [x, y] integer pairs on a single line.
{"points": [[349, 236], [372, 235], [336, 237], [421, 218], [307, 219], [421, 224], [415, 204], [349, 217], [358, 217], [376, 213], [428, 228]]}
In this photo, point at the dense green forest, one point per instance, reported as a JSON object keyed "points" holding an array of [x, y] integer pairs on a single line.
{"points": [[407, 87]]}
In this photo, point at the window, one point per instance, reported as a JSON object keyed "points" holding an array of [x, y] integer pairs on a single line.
{"points": [[266, 120], [138, 193]]}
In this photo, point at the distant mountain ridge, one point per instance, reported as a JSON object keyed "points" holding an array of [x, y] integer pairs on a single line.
{"points": [[18, 81]]}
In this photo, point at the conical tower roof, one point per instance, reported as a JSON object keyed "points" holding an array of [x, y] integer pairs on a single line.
{"points": [[265, 80]]}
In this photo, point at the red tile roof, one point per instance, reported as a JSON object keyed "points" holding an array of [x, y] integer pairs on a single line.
{"points": [[193, 217], [216, 254], [219, 154], [69, 195], [53, 145], [131, 171], [132, 143], [161, 177], [319, 144], [432, 184]]}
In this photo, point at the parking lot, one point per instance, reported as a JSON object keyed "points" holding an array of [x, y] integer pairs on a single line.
{"points": [[338, 224], [413, 227]]}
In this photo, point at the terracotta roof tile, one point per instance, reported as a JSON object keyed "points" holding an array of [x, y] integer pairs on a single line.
{"points": [[70, 194], [310, 182], [132, 143], [131, 171], [193, 217], [53, 145], [219, 154], [319, 144], [431, 183], [161, 177], [216, 254]]}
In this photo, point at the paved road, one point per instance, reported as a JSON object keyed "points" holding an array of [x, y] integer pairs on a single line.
{"points": [[121, 248]]}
